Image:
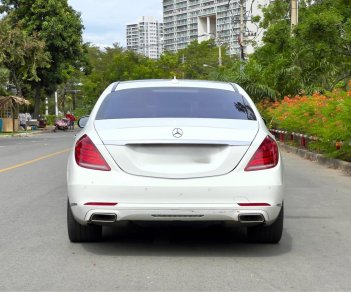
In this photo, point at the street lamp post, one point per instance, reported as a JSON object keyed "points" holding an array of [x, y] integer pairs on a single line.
{"points": [[219, 54], [219, 44], [294, 13]]}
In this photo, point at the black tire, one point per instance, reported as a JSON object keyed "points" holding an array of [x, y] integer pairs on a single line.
{"points": [[81, 233], [267, 234]]}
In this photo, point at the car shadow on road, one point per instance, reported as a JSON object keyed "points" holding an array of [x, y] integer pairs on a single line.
{"points": [[183, 239]]}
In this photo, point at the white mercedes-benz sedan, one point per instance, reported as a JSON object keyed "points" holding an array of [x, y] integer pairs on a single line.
{"points": [[174, 150]]}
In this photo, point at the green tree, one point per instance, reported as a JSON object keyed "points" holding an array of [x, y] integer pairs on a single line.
{"points": [[4, 78], [169, 66], [325, 49], [196, 54], [56, 24], [315, 56], [250, 76], [22, 55], [114, 64], [117, 64]]}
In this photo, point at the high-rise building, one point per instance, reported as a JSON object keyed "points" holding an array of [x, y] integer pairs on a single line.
{"points": [[227, 21], [146, 37]]}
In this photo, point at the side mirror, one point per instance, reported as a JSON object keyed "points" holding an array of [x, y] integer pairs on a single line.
{"points": [[83, 121]]}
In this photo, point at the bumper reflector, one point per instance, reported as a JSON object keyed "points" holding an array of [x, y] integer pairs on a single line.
{"points": [[100, 204], [253, 204]]}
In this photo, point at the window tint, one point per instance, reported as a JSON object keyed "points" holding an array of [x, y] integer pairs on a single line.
{"points": [[175, 103]]}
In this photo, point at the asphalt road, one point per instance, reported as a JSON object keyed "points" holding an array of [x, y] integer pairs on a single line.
{"points": [[35, 253]]}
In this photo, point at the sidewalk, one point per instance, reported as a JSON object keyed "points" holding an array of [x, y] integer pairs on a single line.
{"points": [[47, 129], [344, 166]]}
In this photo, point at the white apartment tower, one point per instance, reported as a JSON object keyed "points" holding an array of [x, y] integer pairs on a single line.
{"points": [[146, 37], [227, 21]]}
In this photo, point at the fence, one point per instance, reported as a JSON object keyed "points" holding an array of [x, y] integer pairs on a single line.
{"points": [[298, 139]]}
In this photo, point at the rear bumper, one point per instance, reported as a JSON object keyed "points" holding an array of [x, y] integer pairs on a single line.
{"points": [[153, 199], [175, 202], [175, 212]]}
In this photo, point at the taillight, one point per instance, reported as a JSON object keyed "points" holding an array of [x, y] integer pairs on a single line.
{"points": [[88, 156], [253, 204], [265, 157]]}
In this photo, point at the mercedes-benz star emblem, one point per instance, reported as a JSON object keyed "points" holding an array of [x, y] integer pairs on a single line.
{"points": [[177, 133]]}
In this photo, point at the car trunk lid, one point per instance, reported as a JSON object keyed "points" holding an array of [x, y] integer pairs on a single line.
{"points": [[177, 148]]}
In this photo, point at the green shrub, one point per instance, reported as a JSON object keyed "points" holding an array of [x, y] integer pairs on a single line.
{"points": [[325, 116], [50, 119]]}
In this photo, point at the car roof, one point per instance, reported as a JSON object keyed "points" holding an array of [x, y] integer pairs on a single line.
{"points": [[174, 83]]}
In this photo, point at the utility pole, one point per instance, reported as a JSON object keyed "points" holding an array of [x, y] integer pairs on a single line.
{"points": [[219, 54], [241, 38], [183, 61], [56, 105], [46, 106], [294, 13]]}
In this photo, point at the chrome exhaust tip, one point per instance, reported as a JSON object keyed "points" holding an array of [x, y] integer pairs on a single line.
{"points": [[251, 218], [103, 218]]}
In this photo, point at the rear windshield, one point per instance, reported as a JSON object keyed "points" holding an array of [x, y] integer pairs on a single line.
{"points": [[175, 103]]}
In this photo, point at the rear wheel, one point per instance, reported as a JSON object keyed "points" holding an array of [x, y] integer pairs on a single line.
{"points": [[267, 234], [81, 233]]}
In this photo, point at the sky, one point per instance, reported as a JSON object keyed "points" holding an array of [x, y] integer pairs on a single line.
{"points": [[105, 20]]}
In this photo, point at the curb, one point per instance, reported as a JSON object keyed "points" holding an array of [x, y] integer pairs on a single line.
{"points": [[344, 166], [29, 133]]}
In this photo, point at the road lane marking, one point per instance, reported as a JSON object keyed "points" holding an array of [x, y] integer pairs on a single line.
{"points": [[34, 160]]}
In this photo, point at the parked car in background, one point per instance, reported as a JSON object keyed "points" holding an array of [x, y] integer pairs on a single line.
{"points": [[174, 150]]}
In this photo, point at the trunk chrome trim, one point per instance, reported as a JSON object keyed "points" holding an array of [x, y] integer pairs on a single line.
{"points": [[174, 141]]}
